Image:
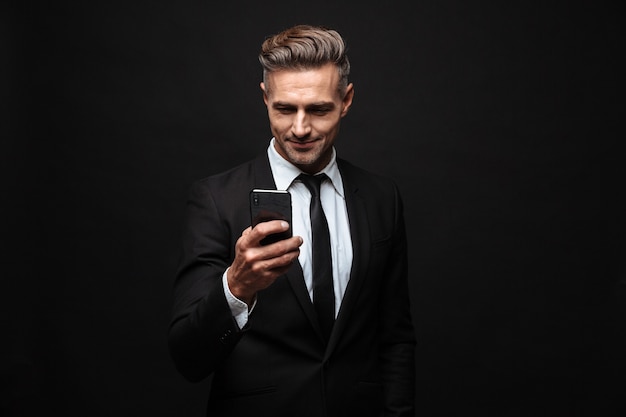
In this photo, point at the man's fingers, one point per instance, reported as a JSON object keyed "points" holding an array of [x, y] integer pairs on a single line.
{"points": [[264, 229], [280, 252], [273, 267]]}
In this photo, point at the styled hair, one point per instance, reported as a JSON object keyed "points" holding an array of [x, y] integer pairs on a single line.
{"points": [[304, 47]]}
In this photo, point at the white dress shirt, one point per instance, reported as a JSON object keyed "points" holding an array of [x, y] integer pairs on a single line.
{"points": [[334, 205]]}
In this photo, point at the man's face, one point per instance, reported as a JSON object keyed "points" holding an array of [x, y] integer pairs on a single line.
{"points": [[305, 109]]}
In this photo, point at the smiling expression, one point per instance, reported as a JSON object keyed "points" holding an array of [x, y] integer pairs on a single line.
{"points": [[305, 108]]}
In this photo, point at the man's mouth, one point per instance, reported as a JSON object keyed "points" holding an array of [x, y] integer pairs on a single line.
{"points": [[303, 145], [302, 142]]}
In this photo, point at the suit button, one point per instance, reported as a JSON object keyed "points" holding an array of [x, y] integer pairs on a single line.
{"points": [[225, 336]]}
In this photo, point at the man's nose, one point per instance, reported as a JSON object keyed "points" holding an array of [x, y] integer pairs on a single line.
{"points": [[301, 126]]}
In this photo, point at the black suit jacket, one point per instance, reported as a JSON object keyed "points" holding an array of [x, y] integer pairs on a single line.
{"points": [[279, 364]]}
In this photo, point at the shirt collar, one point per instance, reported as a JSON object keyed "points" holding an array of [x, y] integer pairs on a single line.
{"points": [[285, 172]]}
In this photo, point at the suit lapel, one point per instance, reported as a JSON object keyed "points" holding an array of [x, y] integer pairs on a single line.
{"points": [[263, 177], [360, 233], [296, 279]]}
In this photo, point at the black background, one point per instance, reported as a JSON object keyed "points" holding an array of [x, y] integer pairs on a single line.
{"points": [[500, 121]]}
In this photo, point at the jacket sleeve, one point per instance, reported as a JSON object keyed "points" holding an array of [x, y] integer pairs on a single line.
{"points": [[202, 331]]}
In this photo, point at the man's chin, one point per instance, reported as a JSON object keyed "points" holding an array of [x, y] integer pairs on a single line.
{"points": [[303, 162], [303, 157]]}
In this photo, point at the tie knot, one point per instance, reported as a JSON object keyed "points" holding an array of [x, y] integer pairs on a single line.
{"points": [[313, 182]]}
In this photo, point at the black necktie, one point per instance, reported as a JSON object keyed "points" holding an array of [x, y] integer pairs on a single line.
{"points": [[323, 296]]}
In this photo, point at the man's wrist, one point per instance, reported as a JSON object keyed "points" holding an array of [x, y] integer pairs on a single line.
{"points": [[239, 308], [237, 291]]}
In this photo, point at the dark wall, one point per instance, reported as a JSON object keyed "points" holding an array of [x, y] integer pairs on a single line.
{"points": [[500, 122]]}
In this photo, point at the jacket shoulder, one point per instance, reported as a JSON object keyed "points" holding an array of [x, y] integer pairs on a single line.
{"points": [[356, 177], [244, 174]]}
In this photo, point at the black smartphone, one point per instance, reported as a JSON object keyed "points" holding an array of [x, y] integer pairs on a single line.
{"points": [[268, 205]]}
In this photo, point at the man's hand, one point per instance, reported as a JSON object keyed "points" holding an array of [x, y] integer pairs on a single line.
{"points": [[256, 267]]}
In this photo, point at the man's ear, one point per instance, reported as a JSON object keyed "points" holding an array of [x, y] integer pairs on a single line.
{"points": [[346, 103], [262, 85]]}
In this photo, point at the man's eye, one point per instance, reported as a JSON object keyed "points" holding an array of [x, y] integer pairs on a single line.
{"points": [[284, 110], [320, 112]]}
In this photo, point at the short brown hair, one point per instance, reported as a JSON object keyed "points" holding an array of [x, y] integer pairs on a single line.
{"points": [[303, 47]]}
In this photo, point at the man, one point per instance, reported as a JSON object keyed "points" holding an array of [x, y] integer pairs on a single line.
{"points": [[244, 313]]}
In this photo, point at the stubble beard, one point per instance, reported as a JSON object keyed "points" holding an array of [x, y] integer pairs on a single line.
{"points": [[308, 158]]}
